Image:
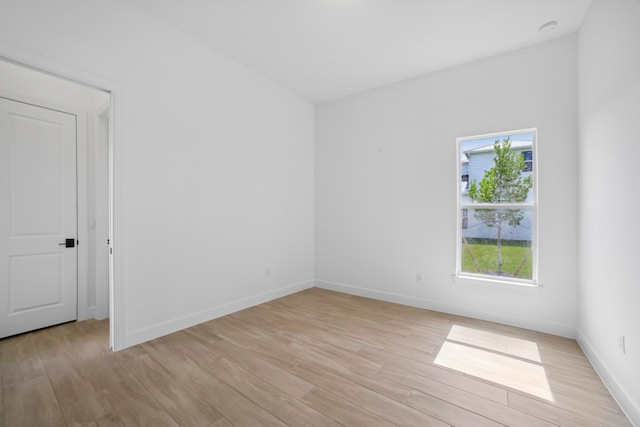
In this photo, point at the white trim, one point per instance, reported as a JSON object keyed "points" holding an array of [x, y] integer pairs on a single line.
{"points": [[101, 170], [492, 135], [83, 217], [25, 57], [117, 319], [624, 399], [498, 206], [91, 312], [535, 324], [465, 279], [167, 327]]}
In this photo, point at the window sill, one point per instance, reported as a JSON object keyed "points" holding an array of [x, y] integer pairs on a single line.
{"points": [[463, 280]]}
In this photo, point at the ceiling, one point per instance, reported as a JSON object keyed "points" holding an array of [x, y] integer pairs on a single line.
{"points": [[326, 49]]}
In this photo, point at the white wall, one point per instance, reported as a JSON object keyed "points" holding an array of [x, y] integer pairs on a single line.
{"points": [[217, 162], [386, 185], [609, 84]]}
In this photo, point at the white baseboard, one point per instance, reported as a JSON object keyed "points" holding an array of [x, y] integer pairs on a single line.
{"points": [[554, 328], [164, 328], [619, 393], [91, 312]]}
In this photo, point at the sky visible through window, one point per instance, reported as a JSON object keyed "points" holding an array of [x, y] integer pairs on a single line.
{"points": [[470, 144]]}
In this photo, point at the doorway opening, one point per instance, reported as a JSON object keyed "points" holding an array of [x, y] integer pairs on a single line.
{"points": [[92, 109]]}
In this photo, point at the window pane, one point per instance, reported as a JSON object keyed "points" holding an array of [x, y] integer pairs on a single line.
{"points": [[528, 161], [497, 242], [497, 169]]}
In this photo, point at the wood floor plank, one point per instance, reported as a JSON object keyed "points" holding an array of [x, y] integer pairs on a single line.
{"points": [[474, 403], [345, 365], [332, 357], [286, 408], [517, 347], [172, 361], [369, 400], [579, 406], [32, 403], [448, 412], [549, 412], [315, 329], [258, 344], [569, 394], [200, 353], [109, 420], [175, 397], [234, 406], [278, 377], [103, 370], [446, 376], [59, 363], [80, 401], [52, 341], [135, 406], [497, 368], [315, 357], [343, 411], [91, 408], [222, 422], [20, 359]]}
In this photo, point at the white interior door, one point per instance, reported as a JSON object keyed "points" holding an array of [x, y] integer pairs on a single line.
{"points": [[38, 213]]}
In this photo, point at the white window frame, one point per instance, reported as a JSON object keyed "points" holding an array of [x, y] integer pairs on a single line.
{"points": [[533, 205]]}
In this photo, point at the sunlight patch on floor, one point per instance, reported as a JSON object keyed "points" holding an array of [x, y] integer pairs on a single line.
{"points": [[496, 342], [496, 358]]}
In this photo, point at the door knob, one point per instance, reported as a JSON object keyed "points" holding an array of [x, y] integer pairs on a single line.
{"points": [[68, 243]]}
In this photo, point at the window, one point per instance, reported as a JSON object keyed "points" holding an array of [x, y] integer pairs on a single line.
{"points": [[497, 207], [465, 182], [528, 161]]}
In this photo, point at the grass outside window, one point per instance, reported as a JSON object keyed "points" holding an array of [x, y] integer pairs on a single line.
{"points": [[516, 259]]}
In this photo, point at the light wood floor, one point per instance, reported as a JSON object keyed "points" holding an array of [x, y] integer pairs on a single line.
{"points": [[316, 358]]}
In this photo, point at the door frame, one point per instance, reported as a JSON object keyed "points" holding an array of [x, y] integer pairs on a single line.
{"points": [[116, 212], [101, 171]]}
